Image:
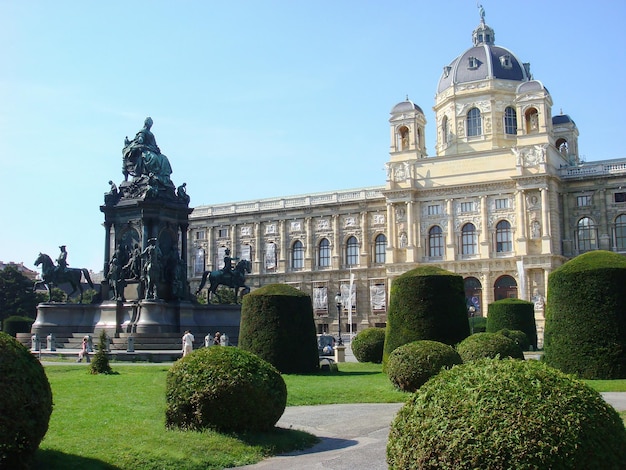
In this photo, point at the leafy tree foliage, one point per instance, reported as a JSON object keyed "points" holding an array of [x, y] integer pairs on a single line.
{"points": [[57, 295], [226, 296], [16, 294]]}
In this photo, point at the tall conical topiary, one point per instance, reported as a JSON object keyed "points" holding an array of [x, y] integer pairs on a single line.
{"points": [[513, 314], [277, 325], [585, 330], [426, 303]]}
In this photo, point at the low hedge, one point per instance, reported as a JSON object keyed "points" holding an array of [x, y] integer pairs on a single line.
{"points": [[17, 324]]}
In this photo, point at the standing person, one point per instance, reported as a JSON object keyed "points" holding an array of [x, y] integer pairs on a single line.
{"points": [[84, 351], [216, 339], [207, 340], [187, 342]]}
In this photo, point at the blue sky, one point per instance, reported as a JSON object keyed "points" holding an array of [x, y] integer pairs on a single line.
{"points": [[256, 99]]}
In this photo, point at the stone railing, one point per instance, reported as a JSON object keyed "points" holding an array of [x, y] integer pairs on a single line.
{"points": [[316, 199], [609, 167]]}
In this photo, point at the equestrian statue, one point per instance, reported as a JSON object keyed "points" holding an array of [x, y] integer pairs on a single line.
{"points": [[233, 277], [60, 274]]}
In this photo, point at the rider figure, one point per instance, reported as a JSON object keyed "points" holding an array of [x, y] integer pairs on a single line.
{"points": [[62, 260], [228, 265]]}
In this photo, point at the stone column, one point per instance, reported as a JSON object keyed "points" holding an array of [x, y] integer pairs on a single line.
{"points": [[391, 228], [366, 248], [485, 243], [522, 247], [545, 220], [337, 243], [451, 238], [284, 251]]}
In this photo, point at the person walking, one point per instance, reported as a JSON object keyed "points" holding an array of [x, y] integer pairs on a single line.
{"points": [[187, 342], [84, 351]]}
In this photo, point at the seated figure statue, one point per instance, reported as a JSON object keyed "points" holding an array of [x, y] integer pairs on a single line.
{"points": [[143, 158]]}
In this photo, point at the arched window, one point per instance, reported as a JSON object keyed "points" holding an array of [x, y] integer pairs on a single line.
{"points": [[468, 239], [297, 255], [505, 287], [503, 237], [474, 123], [532, 121], [323, 257], [510, 121], [352, 251], [473, 296], [620, 233], [403, 138], [435, 242], [586, 234], [380, 249], [445, 131], [562, 146]]}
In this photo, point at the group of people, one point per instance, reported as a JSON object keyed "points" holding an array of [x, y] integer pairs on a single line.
{"points": [[220, 339]]}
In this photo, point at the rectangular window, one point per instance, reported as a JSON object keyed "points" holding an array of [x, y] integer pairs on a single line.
{"points": [[502, 203], [583, 201], [620, 197], [434, 209], [467, 207], [200, 235], [222, 233]]}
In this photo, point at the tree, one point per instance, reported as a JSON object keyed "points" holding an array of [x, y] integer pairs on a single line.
{"points": [[56, 294], [16, 294]]}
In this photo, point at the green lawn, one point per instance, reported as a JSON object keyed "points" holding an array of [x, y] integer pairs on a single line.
{"points": [[118, 421]]}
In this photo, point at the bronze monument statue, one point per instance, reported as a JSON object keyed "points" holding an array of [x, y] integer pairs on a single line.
{"points": [[143, 158], [235, 278], [56, 275]]}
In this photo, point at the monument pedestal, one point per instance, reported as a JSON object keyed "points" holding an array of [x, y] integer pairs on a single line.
{"points": [[156, 316], [340, 353]]}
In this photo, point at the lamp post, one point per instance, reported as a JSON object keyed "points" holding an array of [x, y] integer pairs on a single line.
{"points": [[338, 302]]}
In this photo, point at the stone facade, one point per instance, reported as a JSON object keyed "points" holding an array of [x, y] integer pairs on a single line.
{"points": [[505, 201]]}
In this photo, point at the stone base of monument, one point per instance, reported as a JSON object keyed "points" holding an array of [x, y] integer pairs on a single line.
{"points": [[156, 327], [156, 316]]}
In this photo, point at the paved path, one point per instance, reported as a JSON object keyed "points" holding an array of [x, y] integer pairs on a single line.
{"points": [[352, 436]]}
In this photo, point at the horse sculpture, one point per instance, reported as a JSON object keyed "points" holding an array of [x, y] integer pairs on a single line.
{"points": [[235, 280], [52, 274]]}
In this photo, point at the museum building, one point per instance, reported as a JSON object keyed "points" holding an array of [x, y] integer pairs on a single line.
{"points": [[505, 201]]}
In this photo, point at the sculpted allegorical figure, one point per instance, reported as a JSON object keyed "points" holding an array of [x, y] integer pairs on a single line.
{"points": [[142, 157], [152, 259]]}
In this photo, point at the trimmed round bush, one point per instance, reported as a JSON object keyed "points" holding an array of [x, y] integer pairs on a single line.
{"points": [[412, 364], [25, 404], [585, 332], [277, 325], [492, 414], [426, 303], [518, 336], [367, 345], [482, 345], [224, 389], [513, 314]]}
